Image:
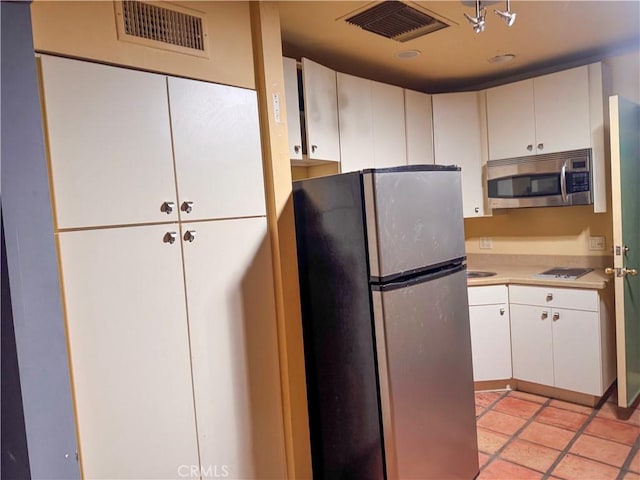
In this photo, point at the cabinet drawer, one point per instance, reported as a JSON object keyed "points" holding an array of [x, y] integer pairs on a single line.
{"points": [[488, 295], [573, 298]]}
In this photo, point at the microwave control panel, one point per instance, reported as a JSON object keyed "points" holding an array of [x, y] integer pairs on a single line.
{"points": [[578, 182]]}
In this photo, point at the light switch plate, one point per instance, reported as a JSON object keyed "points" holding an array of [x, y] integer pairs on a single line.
{"points": [[596, 243]]}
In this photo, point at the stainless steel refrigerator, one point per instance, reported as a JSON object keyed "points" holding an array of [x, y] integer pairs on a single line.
{"points": [[386, 324]]}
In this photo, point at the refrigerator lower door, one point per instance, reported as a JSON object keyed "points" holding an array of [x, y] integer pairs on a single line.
{"points": [[426, 381]]}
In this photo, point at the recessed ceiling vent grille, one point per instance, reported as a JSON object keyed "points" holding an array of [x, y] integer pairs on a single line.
{"points": [[396, 20], [168, 26]]}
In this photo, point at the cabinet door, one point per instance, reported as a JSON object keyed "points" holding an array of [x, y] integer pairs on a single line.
{"points": [[356, 123], [562, 111], [109, 144], [576, 351], [531, 344], [457, 140], [234, 347], [490, 342], [294, 132], [129, 349], [390, 145], [218, 158], [419, 127], [510, 120], [321, 111]]}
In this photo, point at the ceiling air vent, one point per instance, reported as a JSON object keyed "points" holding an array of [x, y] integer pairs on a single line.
{"points": [[396, 20], [162, 25]]}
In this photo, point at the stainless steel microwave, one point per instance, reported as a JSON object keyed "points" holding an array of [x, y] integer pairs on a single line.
{"points": [[549, 180]]}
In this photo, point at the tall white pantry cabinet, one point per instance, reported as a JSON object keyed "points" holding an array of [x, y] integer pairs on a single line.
{"points": [[165, 263]]}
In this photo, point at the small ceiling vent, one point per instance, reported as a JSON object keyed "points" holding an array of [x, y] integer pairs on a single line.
{"points": [[396, 20], [162, 25]]}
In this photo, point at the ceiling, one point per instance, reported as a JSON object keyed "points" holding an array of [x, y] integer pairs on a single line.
{"points": [[546, 36]]}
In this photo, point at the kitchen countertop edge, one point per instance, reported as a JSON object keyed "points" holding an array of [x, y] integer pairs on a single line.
{"points": [[595, 280]]}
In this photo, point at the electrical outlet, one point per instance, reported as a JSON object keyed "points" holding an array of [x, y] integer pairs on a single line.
{"points": [[486, 243], [596, 243]]}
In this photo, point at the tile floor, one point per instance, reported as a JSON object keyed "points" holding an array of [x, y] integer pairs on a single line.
{"points": [[525, 436]]}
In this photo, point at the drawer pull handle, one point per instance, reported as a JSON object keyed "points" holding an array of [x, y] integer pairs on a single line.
{"points": [[549, 297]]}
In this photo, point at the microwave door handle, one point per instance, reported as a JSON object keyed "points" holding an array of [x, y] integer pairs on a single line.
{"points": [[563, 183]]}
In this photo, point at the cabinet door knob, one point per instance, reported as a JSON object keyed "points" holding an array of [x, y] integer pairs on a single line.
{"points": [[502, 311], [540, 146], [167, 207], [314, 148], [530, 147], [549, 297], [544, 315], [170, 237], [477, 209], [187, 207], [296, 148], [556, 316], [190, 235]]}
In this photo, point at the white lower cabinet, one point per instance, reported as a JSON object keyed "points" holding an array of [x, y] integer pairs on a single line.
{"points": [[562, 338], [490, 337], [143, 357], [129, 349], [236, 382]]}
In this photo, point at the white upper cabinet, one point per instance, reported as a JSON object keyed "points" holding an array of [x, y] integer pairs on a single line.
{"points": [[510, 119], [372, 124], [457, 140], [545, 114], [321, 111], [562, 111], [419, 127], [356, 122], [390, 149], [217, 150], [294, 131], [109, 142]]}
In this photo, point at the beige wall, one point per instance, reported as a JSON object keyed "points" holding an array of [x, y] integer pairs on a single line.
{"points": [[87, 29], [560, 230]]}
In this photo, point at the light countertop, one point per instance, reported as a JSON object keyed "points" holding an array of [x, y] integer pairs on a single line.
{"points": [[525, 275]]}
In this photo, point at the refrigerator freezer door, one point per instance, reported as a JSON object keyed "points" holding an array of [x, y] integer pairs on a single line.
{"points": [[414, 220], [426, 381]]}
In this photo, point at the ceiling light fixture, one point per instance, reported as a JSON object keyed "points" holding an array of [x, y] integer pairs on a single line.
{"points": [[406, 54], [478, 22], [508, 16]]}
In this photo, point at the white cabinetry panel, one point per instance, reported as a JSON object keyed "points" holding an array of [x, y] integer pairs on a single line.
{"points": [[576, 351], [129, 348], [217, 149], [388, 125], [510, 119], [490, 341], [562, 111], [419, 127], [457, 141], [321, 111], [294, 131], [531, 344], [356, 123], [574, 298], [109, 144], [232, 322]]}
